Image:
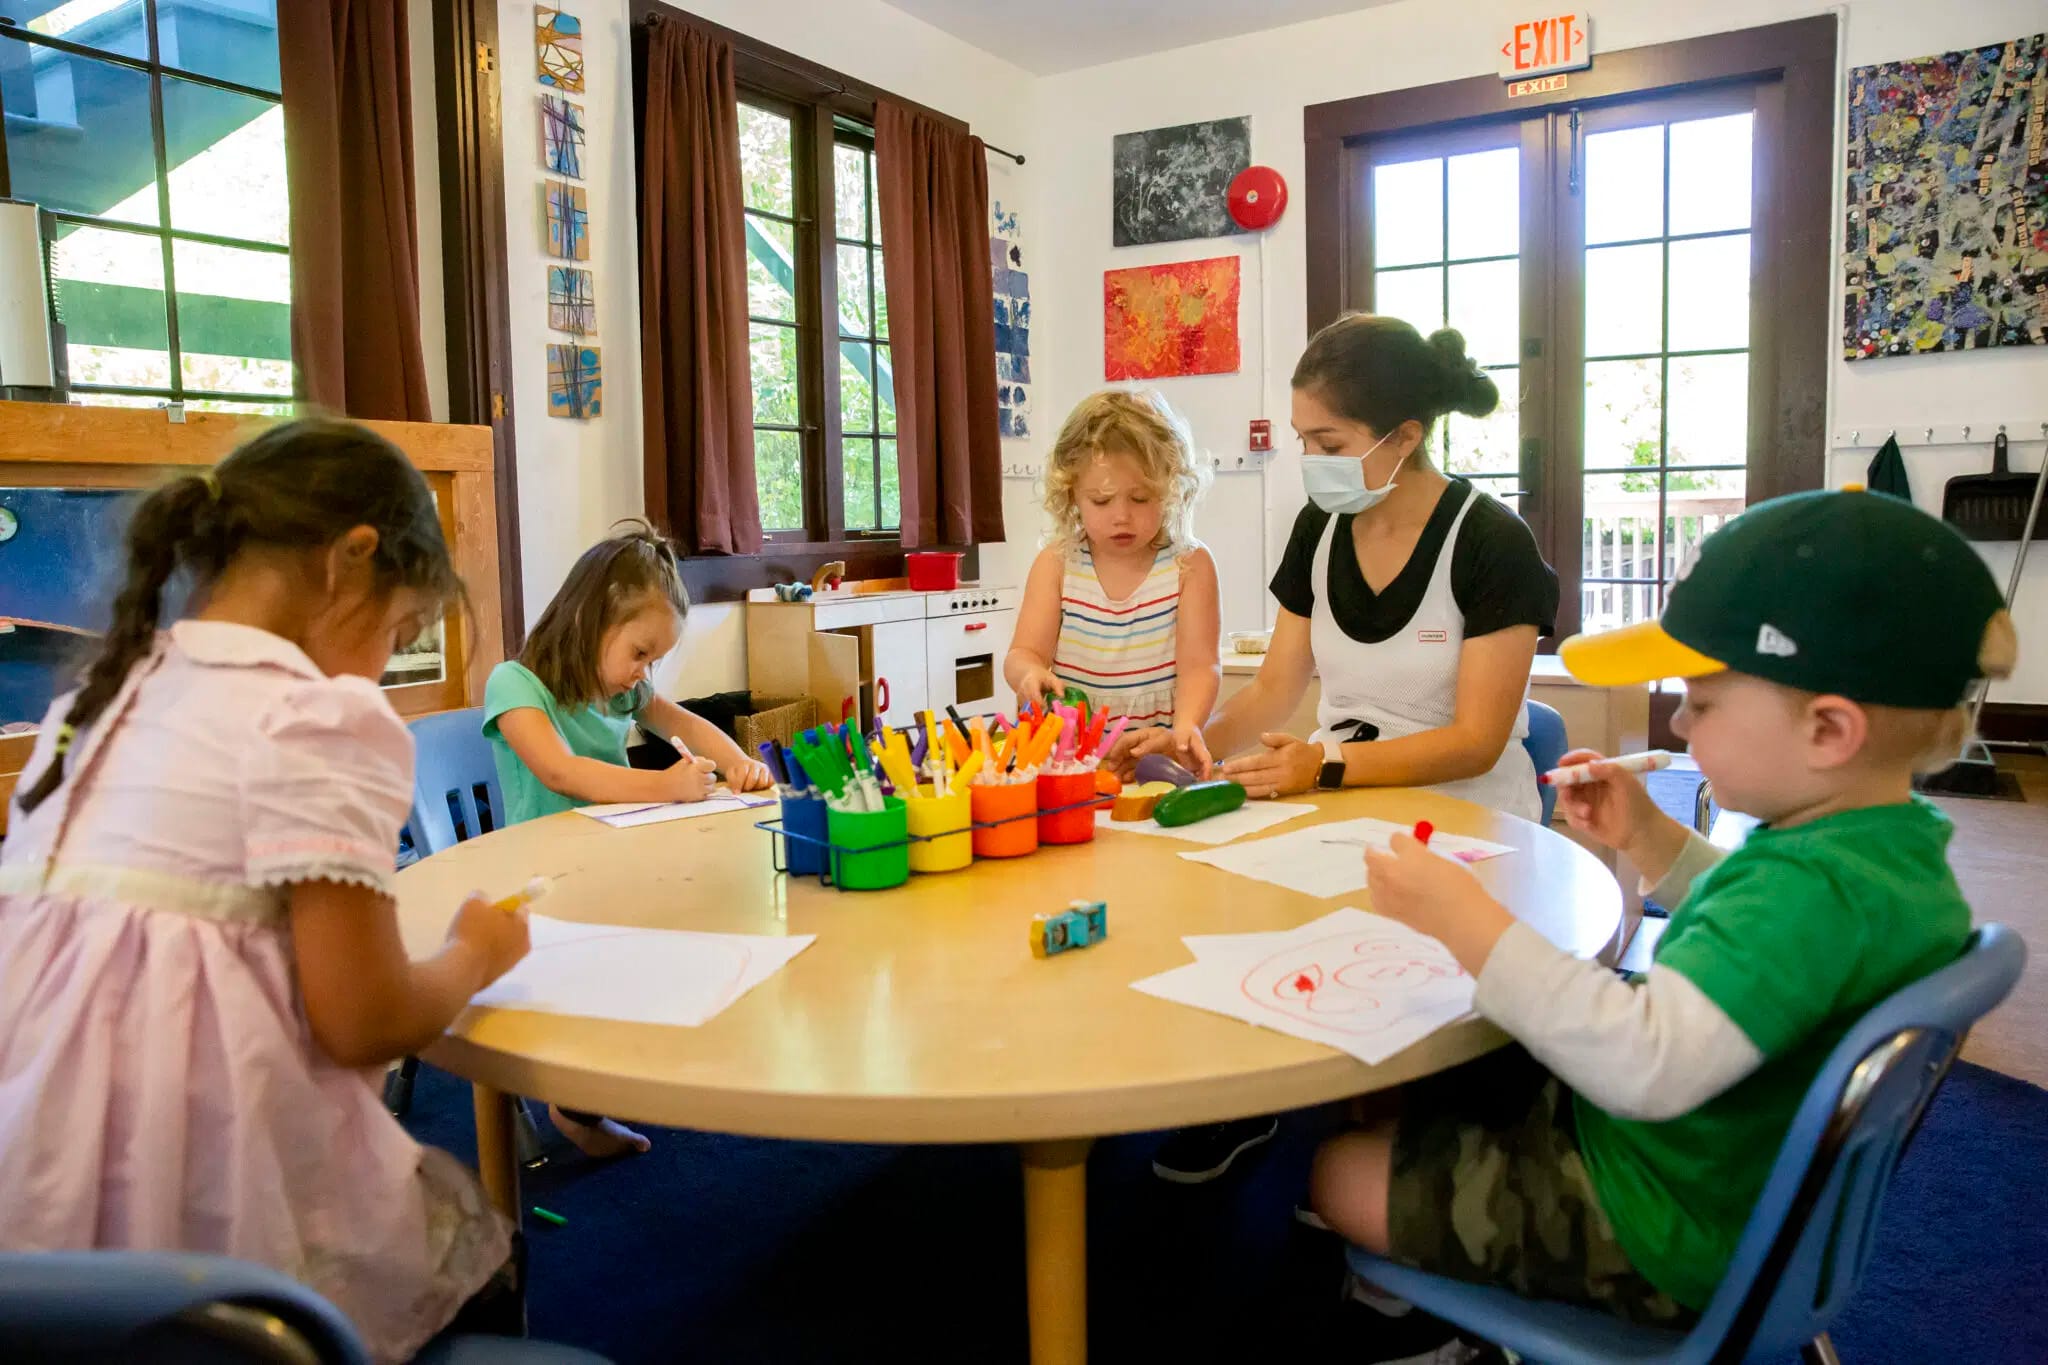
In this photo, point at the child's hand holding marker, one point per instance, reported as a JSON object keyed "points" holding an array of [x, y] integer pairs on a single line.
{"points": [[495, 931], [1606, 799], [1435, 896]]}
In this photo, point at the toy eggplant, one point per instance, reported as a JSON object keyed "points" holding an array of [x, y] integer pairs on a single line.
{"points": [[1160, 768]]}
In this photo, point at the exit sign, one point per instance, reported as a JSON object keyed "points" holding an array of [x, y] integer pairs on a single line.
{"points": [[1538, 47]]}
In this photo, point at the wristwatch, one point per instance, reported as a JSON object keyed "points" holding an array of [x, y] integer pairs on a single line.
{"points": [[1331, 776]]}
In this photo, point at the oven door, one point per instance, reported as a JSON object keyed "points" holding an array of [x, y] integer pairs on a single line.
{"points": [[964, 655]]}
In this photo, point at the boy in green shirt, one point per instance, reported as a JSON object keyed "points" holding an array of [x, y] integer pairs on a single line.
{"points": [[1827, 640]]}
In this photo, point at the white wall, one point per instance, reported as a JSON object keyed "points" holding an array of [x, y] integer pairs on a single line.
{"points": [[577, 478], [1272, 75]]}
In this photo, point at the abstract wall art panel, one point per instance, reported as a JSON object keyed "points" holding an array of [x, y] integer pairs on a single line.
{"points": [[575, 382], [1165, 321]]}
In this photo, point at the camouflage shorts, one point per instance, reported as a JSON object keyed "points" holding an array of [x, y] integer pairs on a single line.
{"points": [[1488, 1186]]}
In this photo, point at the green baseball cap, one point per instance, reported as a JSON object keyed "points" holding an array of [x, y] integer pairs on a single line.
{"points": [[1851, 593]]}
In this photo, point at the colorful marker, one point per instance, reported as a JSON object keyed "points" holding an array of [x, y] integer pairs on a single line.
{"points": [[1577, 773], [525, 895]]}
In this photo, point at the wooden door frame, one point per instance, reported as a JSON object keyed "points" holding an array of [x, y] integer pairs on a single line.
{"points": [[1792, 66]]}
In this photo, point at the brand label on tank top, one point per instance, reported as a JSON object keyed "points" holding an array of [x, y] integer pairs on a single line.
{"points": [[1433, 637]]}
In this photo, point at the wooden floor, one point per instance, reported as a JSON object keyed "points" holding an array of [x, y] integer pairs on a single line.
{"points": [[2000, 856]]}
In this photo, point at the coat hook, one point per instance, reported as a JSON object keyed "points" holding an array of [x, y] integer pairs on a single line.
{"points": [[1966, 431], [1930, 435], [1855, 436]]}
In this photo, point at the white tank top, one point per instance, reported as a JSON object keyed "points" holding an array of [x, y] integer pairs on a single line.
{"points": [[1121, 651], [1408, 682]]}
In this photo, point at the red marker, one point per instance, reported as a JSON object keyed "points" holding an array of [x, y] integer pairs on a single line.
{"points": [[1423, 829]]}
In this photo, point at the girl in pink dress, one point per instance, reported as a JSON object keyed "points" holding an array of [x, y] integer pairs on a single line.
{"points": [[200, 967]]}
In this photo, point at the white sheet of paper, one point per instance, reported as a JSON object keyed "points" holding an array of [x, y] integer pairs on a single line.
{"points": [[628, 814], [1250, 818], [1329, 860], [1354, 981], [677, 977]]}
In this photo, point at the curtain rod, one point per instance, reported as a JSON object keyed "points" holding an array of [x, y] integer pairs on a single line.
{"points": [[836, 88]]}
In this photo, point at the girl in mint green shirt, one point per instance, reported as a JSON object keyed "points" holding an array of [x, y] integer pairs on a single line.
{"points": [[558, 717]]}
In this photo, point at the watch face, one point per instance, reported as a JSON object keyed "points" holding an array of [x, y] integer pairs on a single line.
{"points": [[1332, 776]]}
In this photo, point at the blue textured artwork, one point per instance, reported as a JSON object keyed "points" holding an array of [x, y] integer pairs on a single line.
{"points": [[575, 382], [561, 136], [572, 307], [1013, 324], [568, 212]]}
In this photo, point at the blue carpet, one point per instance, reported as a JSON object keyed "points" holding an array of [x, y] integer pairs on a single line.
{"points": [[716, 1248]]}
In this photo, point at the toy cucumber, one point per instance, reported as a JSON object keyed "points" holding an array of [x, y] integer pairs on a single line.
{"points": [[1198, 802], [1160, 768]]}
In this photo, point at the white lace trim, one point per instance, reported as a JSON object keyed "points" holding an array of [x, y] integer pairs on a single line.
{"points": [[228, 902], [344, 870]]}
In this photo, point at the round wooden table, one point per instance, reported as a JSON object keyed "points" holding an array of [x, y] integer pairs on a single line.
{"points": [[920, 1015]]}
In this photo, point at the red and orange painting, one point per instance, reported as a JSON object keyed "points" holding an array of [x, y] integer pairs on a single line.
{"points": [[1159, 321]]}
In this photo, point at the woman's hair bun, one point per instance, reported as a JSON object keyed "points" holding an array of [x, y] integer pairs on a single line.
{"points": [[1467, 388]]}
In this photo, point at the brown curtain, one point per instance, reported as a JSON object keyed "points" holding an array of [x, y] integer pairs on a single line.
{"points": [[699, 397], [932, 187], [347, 85]]}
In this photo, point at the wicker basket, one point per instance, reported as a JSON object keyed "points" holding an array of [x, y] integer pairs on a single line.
{"points": [[779, 719]]}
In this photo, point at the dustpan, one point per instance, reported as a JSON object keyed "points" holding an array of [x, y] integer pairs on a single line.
{"points": [[1991, 506]]}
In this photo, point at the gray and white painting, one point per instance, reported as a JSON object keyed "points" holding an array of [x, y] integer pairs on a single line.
{"points": [[1170, 183]]}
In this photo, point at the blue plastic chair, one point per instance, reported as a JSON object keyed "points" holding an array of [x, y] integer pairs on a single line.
{"points": [[1546, 745], [1804, 1251], [151, 1306], [455, 793]]}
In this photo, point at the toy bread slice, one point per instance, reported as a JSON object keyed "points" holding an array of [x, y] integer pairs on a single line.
{"points": [[1134, 804]]}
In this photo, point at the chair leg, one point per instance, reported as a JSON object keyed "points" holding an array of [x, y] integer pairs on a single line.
{"points": [[1703, 809], [398, 1087], [1819, 1351], [529, 1146]]}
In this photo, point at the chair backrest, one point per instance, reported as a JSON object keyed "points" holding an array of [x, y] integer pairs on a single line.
{"points": [[1806, 1245], [455, 793], [1546, 745], [147, 1306]]}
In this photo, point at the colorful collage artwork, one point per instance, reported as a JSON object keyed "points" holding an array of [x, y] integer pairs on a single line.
{"points": [[561, 136], [1165, 321], [575, 381], [1947, 235], [1013, 325], [558, 47], [568, 221], [572, 304]]}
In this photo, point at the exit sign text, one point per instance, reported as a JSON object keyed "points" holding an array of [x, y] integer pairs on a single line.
{"points": [[1538, 47]]}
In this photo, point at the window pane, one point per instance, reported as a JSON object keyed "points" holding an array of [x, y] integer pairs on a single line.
{"points": [[1408, 213], [850, 191], [234, 318], [1710, 293], [856, 394], [110, 291], [226, 154], [885, 389], [1486, 203], [1710, 185], [236, 42], [1486, 305], [773, 351], [118, 26], [1625, 184], [779, 480], [771, 268], [1415, 296], [1695, 506], [57, 106], [853, 291], [1625, 300], [237, 405], [1623, 413], [1618, 540], [765, 161], [892, 491], [858, 470], [1708, 409], [1490, 444], [882, 297]]}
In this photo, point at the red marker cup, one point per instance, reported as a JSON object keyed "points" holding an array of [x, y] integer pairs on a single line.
{"points": [[1423, 829]]}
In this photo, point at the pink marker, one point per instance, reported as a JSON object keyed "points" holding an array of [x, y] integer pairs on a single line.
{"points": [[1578, 773]]}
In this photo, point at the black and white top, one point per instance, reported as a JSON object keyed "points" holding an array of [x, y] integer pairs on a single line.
{"points": [[1389, 660]]}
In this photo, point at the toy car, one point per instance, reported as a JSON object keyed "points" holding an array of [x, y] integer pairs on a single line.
{"points": [[1077, 926]]}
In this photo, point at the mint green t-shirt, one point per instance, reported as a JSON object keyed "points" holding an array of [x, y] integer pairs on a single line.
{"points": [[1795, 936], [592, 730]]}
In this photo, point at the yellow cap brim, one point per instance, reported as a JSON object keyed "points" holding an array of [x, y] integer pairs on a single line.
{"points": [[1633, 654]]}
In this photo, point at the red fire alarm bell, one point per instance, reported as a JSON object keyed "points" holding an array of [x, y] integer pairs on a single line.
{"points": [[1256, 198]]}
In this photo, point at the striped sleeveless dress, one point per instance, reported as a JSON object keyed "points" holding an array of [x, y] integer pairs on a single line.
{"points": [[1120, 651]]}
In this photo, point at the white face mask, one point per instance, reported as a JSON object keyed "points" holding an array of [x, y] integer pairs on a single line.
{"points": [[1336, 483]]}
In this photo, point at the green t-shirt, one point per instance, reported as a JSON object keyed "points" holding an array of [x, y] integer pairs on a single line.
{"points": [[592, 730], [1795, 936]]}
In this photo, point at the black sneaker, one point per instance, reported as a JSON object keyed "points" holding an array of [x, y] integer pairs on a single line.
{"points": [[1195, 1156]]}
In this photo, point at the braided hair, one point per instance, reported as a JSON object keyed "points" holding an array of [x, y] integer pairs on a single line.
{"points": [[300, 485]]}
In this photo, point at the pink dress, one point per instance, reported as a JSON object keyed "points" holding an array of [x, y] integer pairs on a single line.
{"points": [[159, 1084]]}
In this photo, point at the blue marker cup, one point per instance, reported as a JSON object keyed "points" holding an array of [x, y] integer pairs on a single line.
{"points": [[804, 816]]}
